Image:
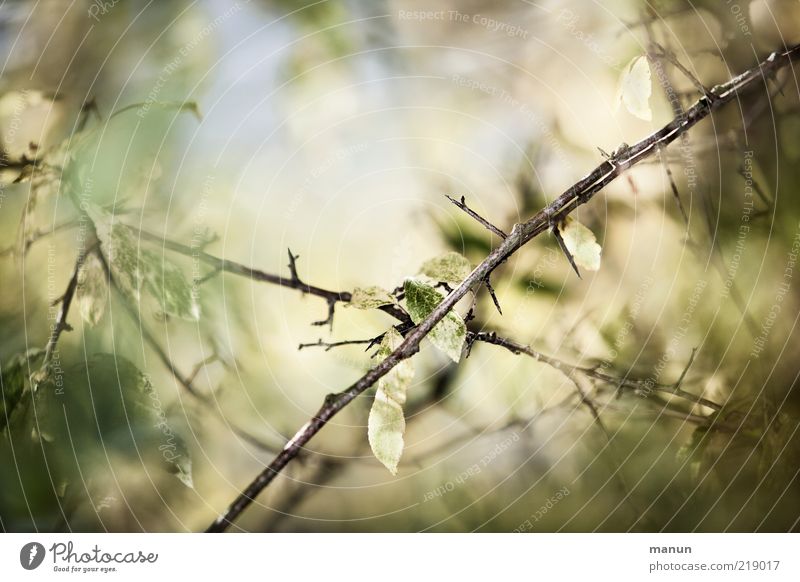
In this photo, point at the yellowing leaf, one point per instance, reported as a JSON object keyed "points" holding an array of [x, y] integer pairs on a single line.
{"points": [[92, 292], [635, 88], [386, 423], [450, 333], [370, 297], [581, 243], [450, 267]]}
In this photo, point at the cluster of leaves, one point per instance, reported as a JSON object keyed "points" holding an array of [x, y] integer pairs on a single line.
{"points": [[133, 269], [419, 297]]}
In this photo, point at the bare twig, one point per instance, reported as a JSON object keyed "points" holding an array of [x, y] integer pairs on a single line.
{"points": [[578, 194], [674, 187], [485, 223], [65, 300], [200, 366], [293, 282], [330, 345], [671, 58], [488, 283]]}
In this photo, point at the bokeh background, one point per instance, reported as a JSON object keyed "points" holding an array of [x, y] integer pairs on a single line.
{"points": [[336, 129]]}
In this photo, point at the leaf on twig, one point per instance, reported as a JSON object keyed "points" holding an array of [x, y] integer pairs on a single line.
{"points": [[92, 293], [134, 268], [635, 88], [451, 267], [581, 243], [166, 283], [386, 423], [370, 297], [450, 333], [121, 250]]}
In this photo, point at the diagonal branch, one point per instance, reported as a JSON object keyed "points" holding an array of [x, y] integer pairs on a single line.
{"points": [[580, 193]]}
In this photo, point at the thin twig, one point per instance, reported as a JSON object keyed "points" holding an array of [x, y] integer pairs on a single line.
{"points": [[670, 57], [488, 283], [485, 223], [293, 282], [563, 246], [571, 370], [674, 187], [65, 300], [677, 110], [578, 194], [330, 345]]}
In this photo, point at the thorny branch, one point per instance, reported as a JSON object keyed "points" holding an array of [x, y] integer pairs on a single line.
{"points": [[580, 193], [292, 282], [640, 387], [485, 223]]}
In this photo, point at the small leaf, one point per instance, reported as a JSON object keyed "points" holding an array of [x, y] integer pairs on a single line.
{"points": [[92, 292], [13, 382], [370, 297], [166, 283], [635, 88], [450, 333], [121, 250], [386, 423], [581, 244], [134, 268], [450, 267]]}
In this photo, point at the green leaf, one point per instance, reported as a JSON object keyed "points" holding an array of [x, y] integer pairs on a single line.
{"points": [[92, 292], [370, 297], [635, 88], [581, 243], [122, 252], [450, 267], [13, 381], [135, 268], [450, 333], [386, 423], [101, 406], [166, 283]]}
